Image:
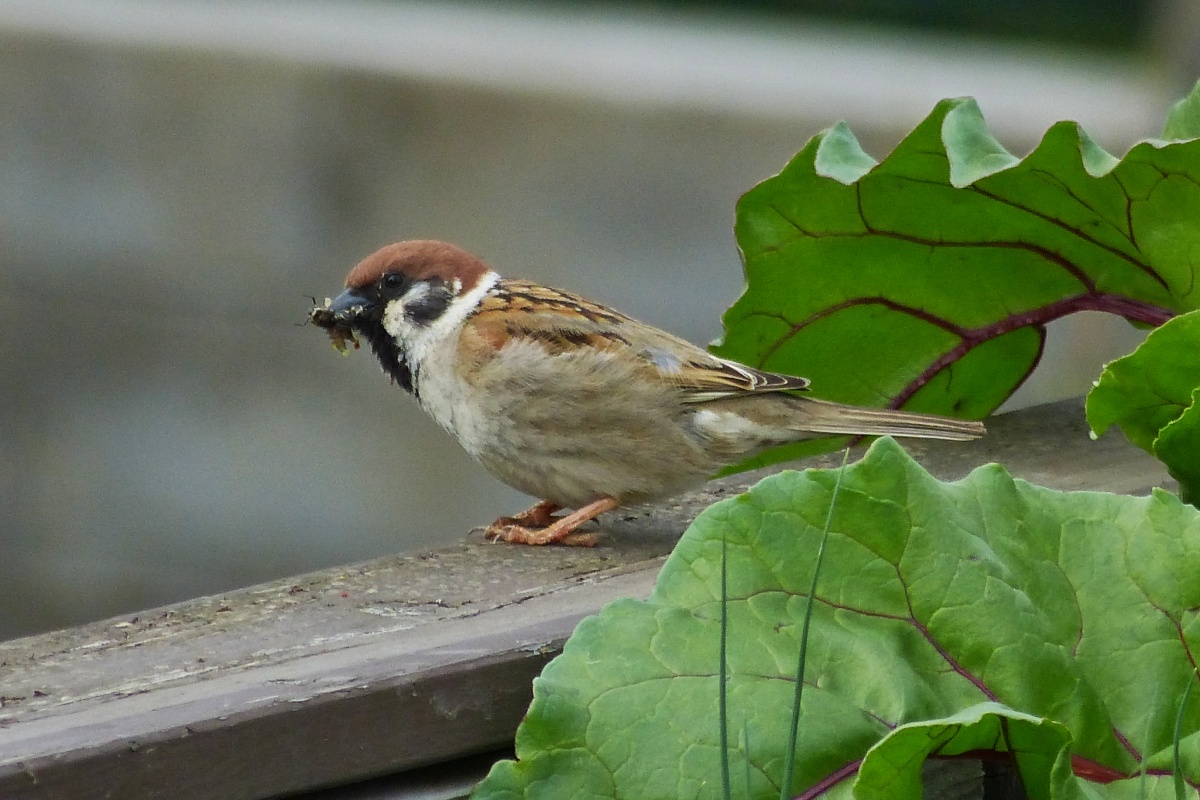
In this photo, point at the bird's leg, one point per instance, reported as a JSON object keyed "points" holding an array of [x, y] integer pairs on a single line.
{"points": [[561, 530], [540, 515]]}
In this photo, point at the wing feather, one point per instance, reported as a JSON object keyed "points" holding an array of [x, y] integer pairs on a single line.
{"points": [[717, 378], [561, 321]]}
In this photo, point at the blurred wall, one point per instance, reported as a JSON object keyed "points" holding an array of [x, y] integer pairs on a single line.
{"points": [[175, 186]]}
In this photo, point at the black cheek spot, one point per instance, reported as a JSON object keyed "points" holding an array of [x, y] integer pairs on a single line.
{"points": [[427, 309]]}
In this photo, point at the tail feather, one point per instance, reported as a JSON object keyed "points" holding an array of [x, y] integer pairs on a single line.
{"points": [[827, 417]]}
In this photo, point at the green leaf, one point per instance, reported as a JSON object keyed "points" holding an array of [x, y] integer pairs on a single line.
{"points": [[1178, 447], [841, 157], [1183, 120], [1152, 393], [982, 614], [1041, 748], [1177, 767], [926, 281]]}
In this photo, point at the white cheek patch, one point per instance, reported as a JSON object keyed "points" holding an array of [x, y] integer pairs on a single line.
{"points": [[416, 294], [419, 340], [394, 321], [395, 317]]}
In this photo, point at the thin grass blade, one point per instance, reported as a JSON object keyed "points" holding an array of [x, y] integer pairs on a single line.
{"points": [[789, 765]]}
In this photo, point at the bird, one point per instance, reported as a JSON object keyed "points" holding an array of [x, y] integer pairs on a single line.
{"points": [[570, 401]]}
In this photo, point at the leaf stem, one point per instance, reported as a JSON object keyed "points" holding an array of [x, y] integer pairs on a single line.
{"points": [[970, 338], [1037, 319]]}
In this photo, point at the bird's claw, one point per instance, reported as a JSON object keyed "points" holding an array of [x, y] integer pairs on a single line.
{"points": [[503, 531]]}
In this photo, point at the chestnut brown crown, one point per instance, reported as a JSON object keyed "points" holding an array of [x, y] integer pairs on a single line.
{"points": [[419, 259]]}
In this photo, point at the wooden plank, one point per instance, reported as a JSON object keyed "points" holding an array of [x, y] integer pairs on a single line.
{"points": [[383, 666]]}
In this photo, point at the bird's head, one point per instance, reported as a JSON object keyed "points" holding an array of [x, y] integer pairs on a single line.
{"points": [[403, 299]]}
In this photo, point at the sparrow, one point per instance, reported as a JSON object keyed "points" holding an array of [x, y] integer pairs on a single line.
{"points": [[568, 400]]}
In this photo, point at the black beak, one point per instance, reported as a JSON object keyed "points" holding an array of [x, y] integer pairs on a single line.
{"points": [[350, 315], [347, 307], [343, 313], [342, 317]]}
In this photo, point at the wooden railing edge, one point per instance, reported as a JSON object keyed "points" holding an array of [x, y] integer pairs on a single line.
{"points": [[374, 668]]}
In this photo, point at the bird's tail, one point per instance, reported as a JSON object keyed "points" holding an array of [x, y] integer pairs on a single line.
{"points": [[823, 416]]}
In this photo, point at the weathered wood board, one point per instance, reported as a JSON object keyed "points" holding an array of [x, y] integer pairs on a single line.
{"points": [[369, 669]]}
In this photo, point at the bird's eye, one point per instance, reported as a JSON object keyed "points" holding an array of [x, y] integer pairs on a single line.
{"points": [[393, 280]]}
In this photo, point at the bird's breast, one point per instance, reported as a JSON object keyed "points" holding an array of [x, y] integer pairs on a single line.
{"points": [[453, 401]]}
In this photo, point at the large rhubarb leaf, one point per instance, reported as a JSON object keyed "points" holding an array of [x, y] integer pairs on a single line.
{"points": [[1040, 748], [926, 280], [1153, 394], [1183, 120], [986, 614]]}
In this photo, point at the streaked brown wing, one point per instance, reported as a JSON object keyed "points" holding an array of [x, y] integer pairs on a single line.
{"points": [[727, 379], [562, 321], [559, 320]]}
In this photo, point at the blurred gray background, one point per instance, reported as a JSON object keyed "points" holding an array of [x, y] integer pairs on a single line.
{"points": [[177, 178]]}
